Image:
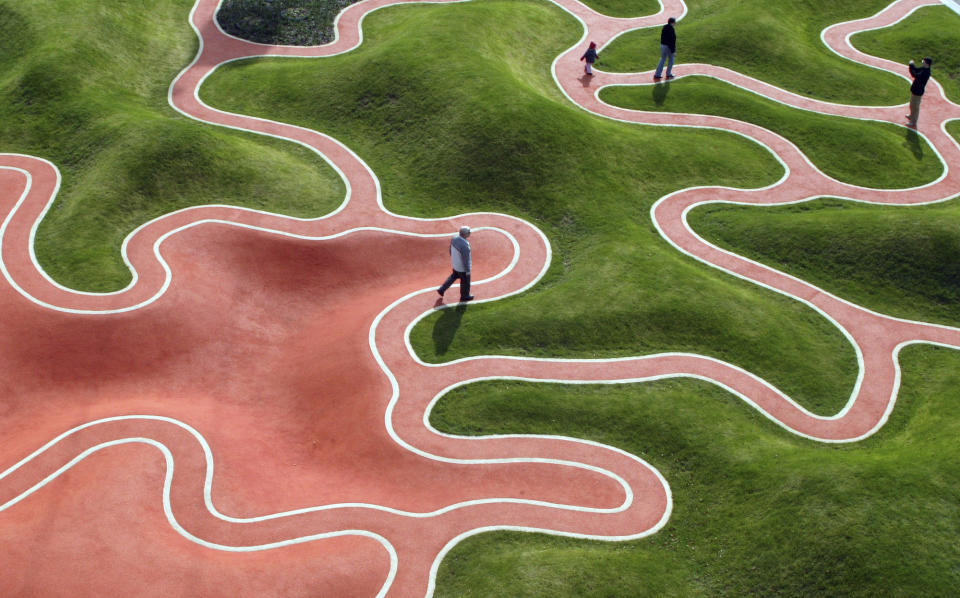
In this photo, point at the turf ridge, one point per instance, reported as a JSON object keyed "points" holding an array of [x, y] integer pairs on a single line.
{"points": [[929, 31], [125, 155], [805, 586], [865, 153]]}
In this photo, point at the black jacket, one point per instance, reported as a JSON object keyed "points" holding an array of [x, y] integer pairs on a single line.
{"points": [[920, 74], [668, 37]]}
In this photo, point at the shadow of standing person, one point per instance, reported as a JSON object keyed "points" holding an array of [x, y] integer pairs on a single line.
{"points": [[660, 91], [913, 144]]}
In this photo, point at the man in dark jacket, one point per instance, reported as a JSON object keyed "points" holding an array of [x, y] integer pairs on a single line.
{"points": [[920, 77], [668, 49]]}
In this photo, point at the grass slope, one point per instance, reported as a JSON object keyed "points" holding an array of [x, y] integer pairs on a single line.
{"points": [[502, 138], [896, 260], [455, 109], [901, 261], [757, 511], [865, 153], [74, 90], [930, 31], [625, 8], [778, 42]]}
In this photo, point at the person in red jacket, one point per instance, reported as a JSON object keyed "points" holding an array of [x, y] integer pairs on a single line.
{"points": [[590, 56], [920, 77]]}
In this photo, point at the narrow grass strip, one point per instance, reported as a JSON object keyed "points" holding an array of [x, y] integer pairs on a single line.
{"points": [[502, 139], [953, 127], [624, 8], [860, 152], [757, 512], [84, 85], [897, 260], [777, 42], [930, 31]]}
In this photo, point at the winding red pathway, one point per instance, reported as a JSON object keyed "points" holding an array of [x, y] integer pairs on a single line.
{"points": [[278, 355]]}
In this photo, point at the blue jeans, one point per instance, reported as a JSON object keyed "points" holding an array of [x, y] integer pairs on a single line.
{"points": [[665, 53]]}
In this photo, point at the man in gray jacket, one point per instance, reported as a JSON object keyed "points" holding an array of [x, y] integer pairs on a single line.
{"points": [[460, 258]]}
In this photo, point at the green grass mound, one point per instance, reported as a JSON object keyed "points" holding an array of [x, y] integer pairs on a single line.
{"points": [[487, 130], [953, 127], [896, 260], [74, 90], [455, 109], [757, 510], [777, 42], [932, 31], [865, 153], [625, 8], [283, 22]]}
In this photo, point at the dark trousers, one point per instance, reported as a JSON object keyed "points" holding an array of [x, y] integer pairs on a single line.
{"points": [[464, 283]]}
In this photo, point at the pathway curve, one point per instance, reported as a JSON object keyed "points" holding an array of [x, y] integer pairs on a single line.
{"points": [[304, 390]]}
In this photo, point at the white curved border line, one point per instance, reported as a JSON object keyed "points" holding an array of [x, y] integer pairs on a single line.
{"points": [[168, 510], [943, 163], [209, 475], [126, 241], [782, 179], [388, 414], [208, 480], [953, 5]]}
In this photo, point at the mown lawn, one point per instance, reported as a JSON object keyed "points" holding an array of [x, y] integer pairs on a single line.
{"points": [[74, 90], [504, 139], [455, 109], [866, 153], [757, 511], [929, 31], [902, 261], [778, 42]]}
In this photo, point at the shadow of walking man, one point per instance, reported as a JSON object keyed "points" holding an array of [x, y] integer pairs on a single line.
{"points": [[446, 327]]}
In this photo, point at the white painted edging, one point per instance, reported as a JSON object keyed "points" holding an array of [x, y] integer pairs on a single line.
{"points": [[388, 414], [167, 482]]}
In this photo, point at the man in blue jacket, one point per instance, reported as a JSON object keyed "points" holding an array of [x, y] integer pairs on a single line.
{"points": [[460, 258], [668, 49], [920, 77]]}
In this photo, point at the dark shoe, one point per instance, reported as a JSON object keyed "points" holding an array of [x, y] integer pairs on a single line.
{"points": [[669, 76], [657, 77], [911, 125], [439, 292], [467, 298]]}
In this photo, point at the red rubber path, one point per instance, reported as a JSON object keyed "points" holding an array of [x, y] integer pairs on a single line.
{"points": [[272, 351]]}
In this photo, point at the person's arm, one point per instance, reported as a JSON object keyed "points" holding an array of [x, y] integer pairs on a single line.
{"points": [[463, 248], [913, 70], [668, 37]]}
